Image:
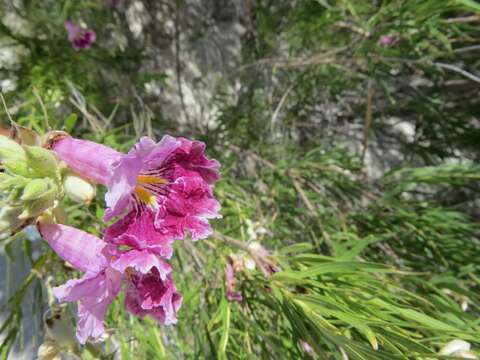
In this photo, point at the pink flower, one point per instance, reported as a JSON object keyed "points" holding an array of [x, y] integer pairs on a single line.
{"points": [[308, 349], [79, 37], [232, 295], [148, 294], [161, 191], [99, 285], [150, 289], [386, 40], [147, 279]]}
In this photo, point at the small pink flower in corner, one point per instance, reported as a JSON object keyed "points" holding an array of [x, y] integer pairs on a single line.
{"points": [[79, 37], [308, 349], [387, 40], [232, 294]]}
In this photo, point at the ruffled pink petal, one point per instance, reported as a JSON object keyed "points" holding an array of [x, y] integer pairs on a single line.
{"points": [[137, 230], [90, 160], [191, 158], [192, 196], [141, 261], [198, 227], [150, 295], [82, 250], [162, 152], [188, 206]]}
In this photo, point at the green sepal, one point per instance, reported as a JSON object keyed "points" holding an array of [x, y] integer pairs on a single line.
{"points": [[9, 149], [8, 181], [17, 167], [36, 188], [36, 207], [42, 161]]}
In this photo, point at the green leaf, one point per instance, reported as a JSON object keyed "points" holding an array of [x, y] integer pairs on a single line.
{"points": [[471, 4], [70, 122]]}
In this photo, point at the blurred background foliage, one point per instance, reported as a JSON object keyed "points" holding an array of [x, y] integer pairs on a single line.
{"points": [[349, 138]]}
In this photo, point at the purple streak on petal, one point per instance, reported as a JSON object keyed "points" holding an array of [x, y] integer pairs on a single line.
{"points": [[82, 250], [141, 261], [123, 179], [88, 159], [138, 231]]}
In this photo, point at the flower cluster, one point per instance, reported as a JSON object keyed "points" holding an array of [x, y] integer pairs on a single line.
{"points": [[158, 193], [30, 183]]}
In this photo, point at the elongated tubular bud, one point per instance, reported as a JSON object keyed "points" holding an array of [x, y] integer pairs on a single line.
{"points": [[88, 159]]}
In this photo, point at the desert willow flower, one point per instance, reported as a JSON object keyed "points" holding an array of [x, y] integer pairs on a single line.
{"points": [[148, 284], [160, 191], [80, 38]]}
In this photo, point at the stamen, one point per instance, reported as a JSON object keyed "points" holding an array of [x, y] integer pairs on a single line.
{"points": [[148, 179], [145, 196]]}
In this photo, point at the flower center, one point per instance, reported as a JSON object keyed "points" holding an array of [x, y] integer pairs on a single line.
{"points": [[148, 187]]}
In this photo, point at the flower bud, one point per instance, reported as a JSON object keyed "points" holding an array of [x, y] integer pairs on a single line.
{"points": [[17, 167], [36, 207], [42, 161], [7, 181], [9, 218], [36, 188], [78, 189], [455, 346], [9, 149]]}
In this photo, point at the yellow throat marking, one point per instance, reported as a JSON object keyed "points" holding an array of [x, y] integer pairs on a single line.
{"points": [[143, 194]]}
